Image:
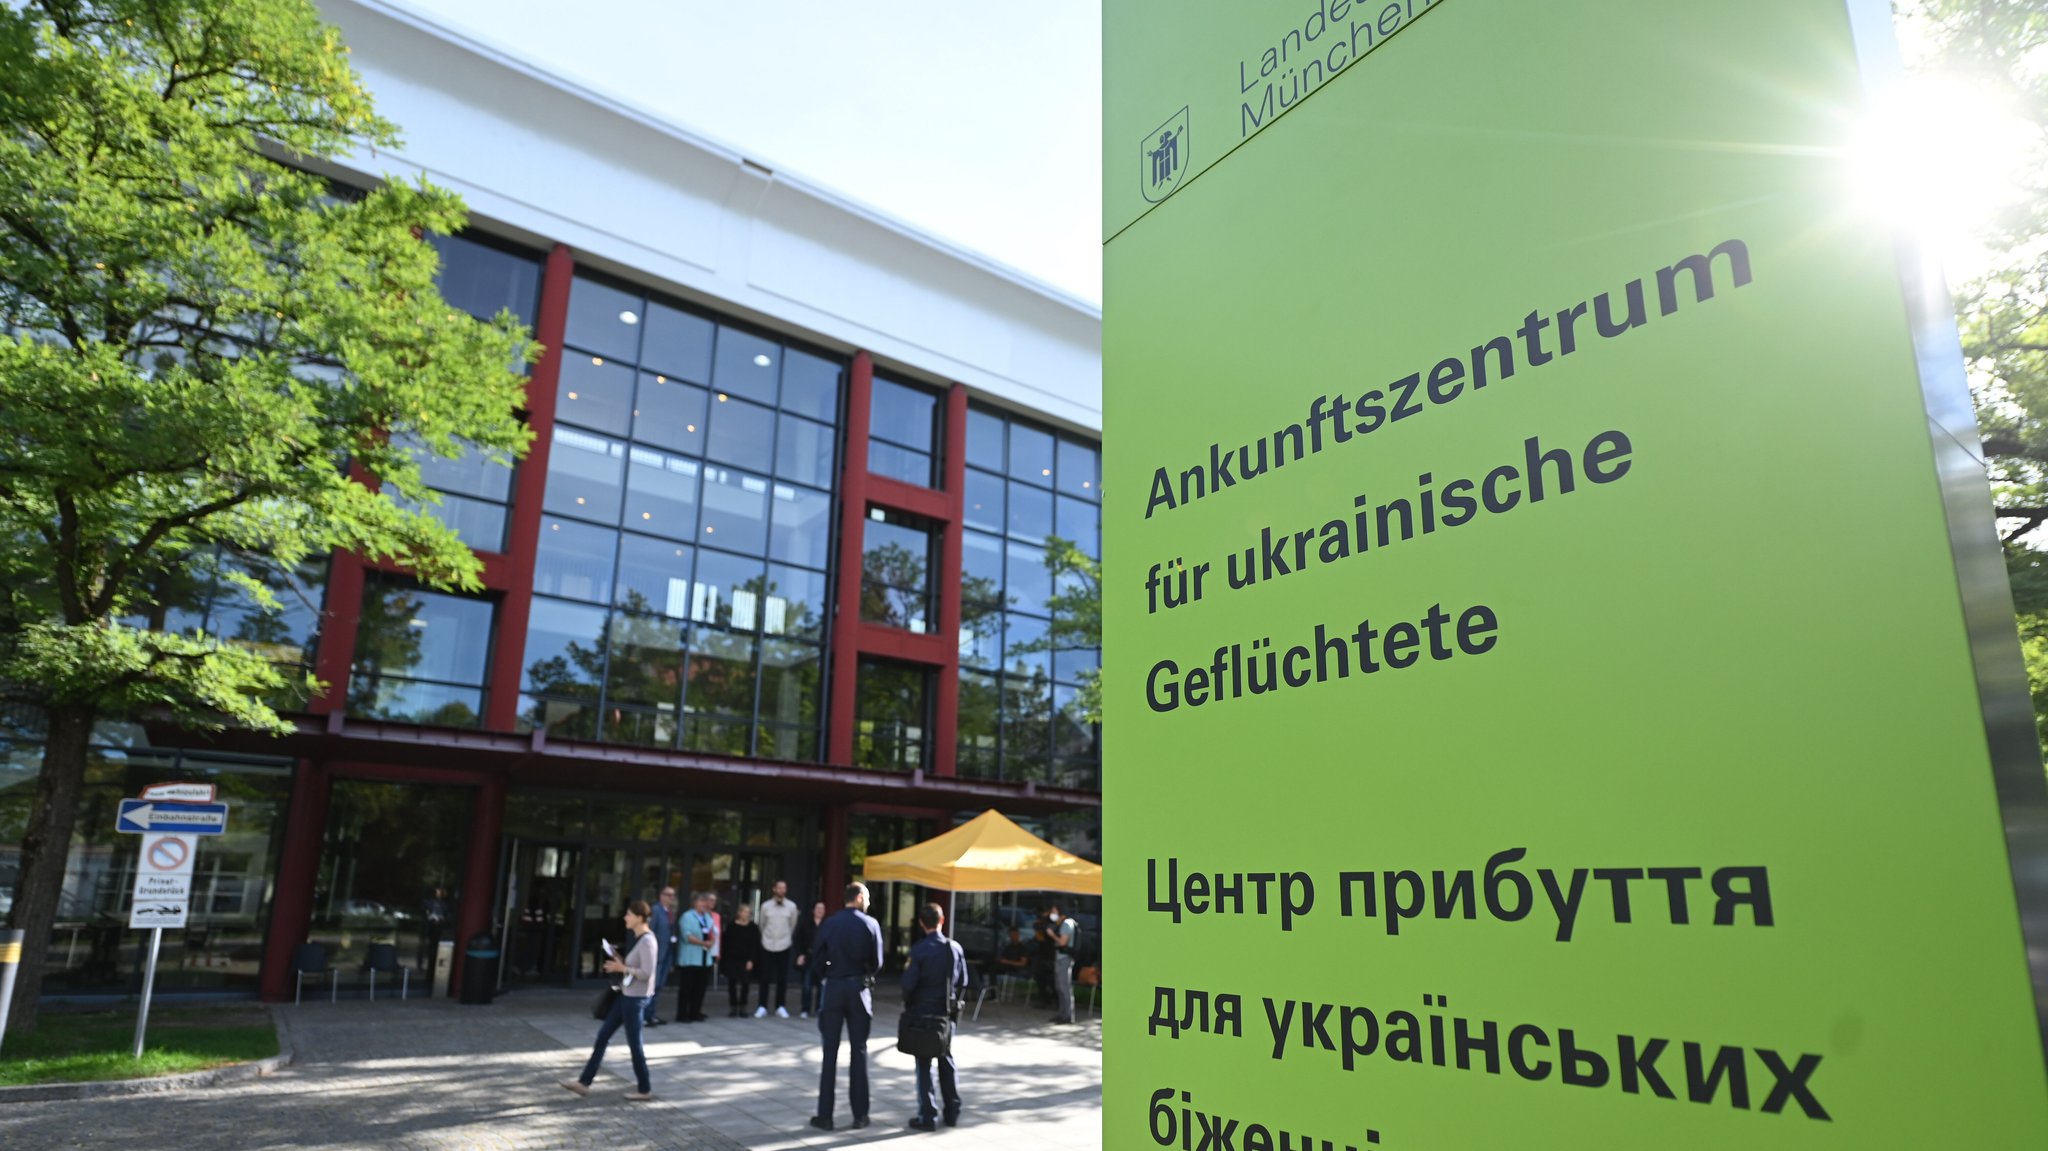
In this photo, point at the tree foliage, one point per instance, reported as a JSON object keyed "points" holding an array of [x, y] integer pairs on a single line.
{"points": [[199, 340]]}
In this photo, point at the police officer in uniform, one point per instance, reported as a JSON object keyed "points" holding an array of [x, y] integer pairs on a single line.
{"points": [[933, 983], [847, 953]]}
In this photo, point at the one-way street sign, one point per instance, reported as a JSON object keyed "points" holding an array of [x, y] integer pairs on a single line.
{"points": [[144, 816]]}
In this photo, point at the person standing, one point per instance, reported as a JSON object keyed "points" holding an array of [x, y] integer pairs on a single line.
{"points": [[740, 951], [933, 982], [693, 959], [847, 953], [662, 925], [1059, 932], [637, 966], [807, 972], [778, 936]]}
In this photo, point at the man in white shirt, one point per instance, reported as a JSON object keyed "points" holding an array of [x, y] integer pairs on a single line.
{"points": [[778, 934]]}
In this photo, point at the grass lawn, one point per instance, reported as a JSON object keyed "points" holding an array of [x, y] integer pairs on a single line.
{"points": [[71, 1048]]}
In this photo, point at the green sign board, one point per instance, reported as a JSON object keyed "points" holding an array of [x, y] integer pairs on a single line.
{"points": [[1561, 685]]}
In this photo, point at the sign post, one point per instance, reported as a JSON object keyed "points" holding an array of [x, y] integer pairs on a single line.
{"points": [[170, 818], [1567, 693]]}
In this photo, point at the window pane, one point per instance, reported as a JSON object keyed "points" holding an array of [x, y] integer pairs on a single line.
{"points": [[717, 736], [889, 717], [1077, 470], [789, 683], [795, 603], [646, 660], [1030, 512], [1027, 723], [412, 701], [411, 632], [1069, 665], [482, 280], [981, 635], [801, 531], [721, 674], [728, 591], [1029, 583], [654, 575], [977, 725], [639, 725], [903, 415], [574, 560], [792, 743], [564, 718], [586, 476], [603, 320], [564, 648], [984, 439], [911, 467], [746, 365], [480, 525], [981, 568], [473, 473], [661, 493], [1031, 455], [669, 414], [984, 501], [1020, 635], [677, 344], [804, 452], [595, 393], [1073, 737], [810, 385], [735, 511], [1081, 524], [742, 434]]}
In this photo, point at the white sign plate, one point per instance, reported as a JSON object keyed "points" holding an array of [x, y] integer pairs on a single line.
{"points": [[163, 881], [181, 792]]}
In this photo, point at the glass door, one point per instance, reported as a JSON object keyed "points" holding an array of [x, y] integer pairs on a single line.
{"points": [[537, 912], [606, 874]]}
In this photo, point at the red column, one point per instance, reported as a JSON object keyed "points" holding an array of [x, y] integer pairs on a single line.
{"points": [[291, 906], [336, 651], [836, 871], [480, 874], [853, 512], [947, 695], [501, 713]]}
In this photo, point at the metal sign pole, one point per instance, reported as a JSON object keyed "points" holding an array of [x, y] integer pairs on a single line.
{"points": [[156, 939]]}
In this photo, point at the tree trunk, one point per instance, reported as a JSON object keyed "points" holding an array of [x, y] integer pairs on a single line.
{"points": [[45, 851]]}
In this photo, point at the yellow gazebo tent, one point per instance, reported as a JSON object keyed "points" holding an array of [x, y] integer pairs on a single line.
{"points": [[988, 853]]}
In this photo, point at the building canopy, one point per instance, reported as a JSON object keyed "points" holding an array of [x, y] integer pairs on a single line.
{"points": [[988, 853]]}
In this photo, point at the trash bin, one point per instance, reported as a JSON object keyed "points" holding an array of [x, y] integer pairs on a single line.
{"points": [[480, 969]]}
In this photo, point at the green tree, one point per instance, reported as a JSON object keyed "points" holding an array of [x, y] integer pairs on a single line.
{"points": [[197, 338], [1993, 48]]}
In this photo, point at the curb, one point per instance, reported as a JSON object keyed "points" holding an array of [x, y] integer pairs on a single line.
{"points": [[287, 1051]]}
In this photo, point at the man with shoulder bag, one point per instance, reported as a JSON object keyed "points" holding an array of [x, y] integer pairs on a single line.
{"points": [[934, 982]]}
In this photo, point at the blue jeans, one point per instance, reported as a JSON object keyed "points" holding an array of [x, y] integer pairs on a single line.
{"points": [[813, 986], [626, 1012]]}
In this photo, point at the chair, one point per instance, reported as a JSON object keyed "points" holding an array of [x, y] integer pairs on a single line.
{"points": [[310, 959], [997, 981], [1091, 978], [384, 957]]}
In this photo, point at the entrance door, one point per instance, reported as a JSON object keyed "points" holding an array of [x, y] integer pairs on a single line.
{"points": [[605, 878], [538, 912]]}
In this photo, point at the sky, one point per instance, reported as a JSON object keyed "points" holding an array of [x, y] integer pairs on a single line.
{"points": [[976, 123]]}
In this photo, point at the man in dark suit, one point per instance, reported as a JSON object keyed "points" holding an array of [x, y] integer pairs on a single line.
{"points": [[933, 983], [846, 953]]}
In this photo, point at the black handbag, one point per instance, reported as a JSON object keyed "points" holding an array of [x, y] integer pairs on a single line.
{"points": [[924, 1036], [602, 1007]]}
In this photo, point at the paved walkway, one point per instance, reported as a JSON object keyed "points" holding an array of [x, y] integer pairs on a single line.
{"points": [[435, 1076]]}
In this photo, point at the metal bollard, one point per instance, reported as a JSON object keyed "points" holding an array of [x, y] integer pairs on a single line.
{"points": [[10, 962]]}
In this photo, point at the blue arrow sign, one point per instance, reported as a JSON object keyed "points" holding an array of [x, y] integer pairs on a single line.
{"points": [[147, 815]]}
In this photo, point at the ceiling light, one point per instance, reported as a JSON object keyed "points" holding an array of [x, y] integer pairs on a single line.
{"points": [[689, 427], [1045, 471], [579, 499], [572, 395], [598, 360], [721, 397], [646, 515], [628, 318], [661, 379], [709, 528], [554, 527], [416, 622], [762, 360], [1086, 484]]}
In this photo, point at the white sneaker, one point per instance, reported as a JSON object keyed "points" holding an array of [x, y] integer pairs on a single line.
{"points": [[803, 1015], [760, 1013], [782, 1013]]}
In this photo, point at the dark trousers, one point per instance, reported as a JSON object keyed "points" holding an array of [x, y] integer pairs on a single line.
{"points": [[846, 1007], [625, 1013], [691, 984], [738, 982], [947, 1097], [774, 968], [813, 991]]}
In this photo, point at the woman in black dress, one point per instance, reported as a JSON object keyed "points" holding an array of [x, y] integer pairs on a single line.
{"points": [[740, 953]]}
